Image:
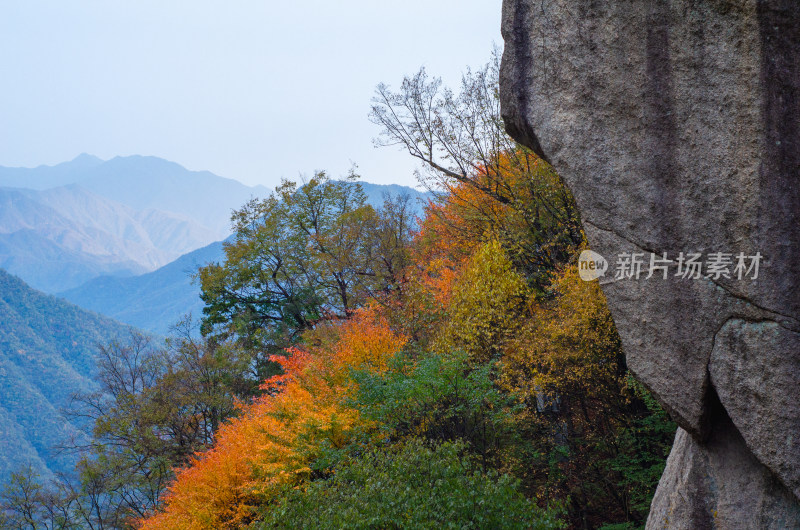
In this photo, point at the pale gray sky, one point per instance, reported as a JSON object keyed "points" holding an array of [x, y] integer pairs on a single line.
{"points": [[251, 90]]}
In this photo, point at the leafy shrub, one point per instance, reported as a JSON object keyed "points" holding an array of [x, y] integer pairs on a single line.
{"points": [[437, 398], [410, 486]]}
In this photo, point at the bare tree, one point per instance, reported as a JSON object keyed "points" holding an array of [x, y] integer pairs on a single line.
{"points": [[461, 141]]}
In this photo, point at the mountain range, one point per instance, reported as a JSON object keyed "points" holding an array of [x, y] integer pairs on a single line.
{"points": [[154, 301], [63, 225], [142, 183], [62, 237]]}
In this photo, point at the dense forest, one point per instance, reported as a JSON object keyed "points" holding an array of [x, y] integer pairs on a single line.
{"points": [[46, 350], [366, 367]]}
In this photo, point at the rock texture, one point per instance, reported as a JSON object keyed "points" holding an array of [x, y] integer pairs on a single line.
{"points": [[720, 485], [676, 124]]}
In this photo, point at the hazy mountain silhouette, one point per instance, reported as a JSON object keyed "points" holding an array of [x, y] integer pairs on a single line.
{"points": [[63, 225], [59, 238], [143, 183], [45, 177], [154, 301]]}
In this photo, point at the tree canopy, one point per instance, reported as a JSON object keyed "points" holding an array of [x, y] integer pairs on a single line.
{"points": [[303, 254]]}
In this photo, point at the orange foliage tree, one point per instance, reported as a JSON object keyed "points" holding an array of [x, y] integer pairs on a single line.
{"points": [[273, 442]]}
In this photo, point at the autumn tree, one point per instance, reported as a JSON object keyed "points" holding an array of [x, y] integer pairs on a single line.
{"points": [[154, 408], [594, 434], [488, 305], [281, 434], [492, 183]]}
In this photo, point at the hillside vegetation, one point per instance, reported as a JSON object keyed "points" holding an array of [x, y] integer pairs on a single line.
{"points": [[360, 368], [47, 351]]}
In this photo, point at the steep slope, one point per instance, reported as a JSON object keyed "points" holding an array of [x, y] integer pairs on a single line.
{"points": [[46, 354], [152, 301]]}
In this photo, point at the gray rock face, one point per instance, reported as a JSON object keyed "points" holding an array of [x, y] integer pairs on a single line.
{"points": [[720, 485], [676, 124], [755, 387]]}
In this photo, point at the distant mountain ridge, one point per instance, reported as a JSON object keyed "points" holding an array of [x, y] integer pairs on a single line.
{"points": [[45, 177], [65, 224], [154, 301], [61, 237], [144, 182], [147, 182], [47, 349], [375, 194]]}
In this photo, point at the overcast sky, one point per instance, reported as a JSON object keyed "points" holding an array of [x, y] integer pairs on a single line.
{"points": [[251, 90]]}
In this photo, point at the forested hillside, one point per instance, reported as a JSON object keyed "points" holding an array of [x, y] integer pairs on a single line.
{"points": [[47, 353], [362, 368]]}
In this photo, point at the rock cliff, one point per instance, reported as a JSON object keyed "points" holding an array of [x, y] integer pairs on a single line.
{"points": [[676, 124]]}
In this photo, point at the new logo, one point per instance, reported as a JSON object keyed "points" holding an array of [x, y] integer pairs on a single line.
{"points": [[591, 265]]}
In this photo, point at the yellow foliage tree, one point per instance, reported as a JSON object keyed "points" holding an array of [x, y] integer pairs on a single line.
{"points": [[489, 302], [569, 349]]}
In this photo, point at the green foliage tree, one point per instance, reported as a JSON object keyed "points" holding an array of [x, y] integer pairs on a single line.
{"points": [[643, 446], [436, 397], [304, 253], [411, 485]]}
